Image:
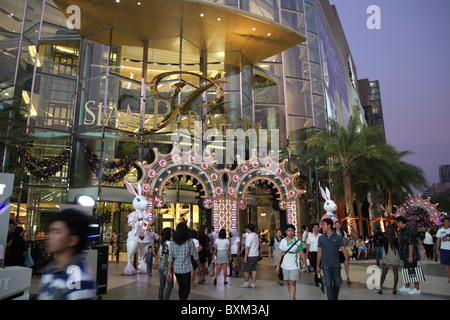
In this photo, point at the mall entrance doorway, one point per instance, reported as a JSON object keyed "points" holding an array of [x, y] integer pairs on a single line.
{"points": [[173, 213]]}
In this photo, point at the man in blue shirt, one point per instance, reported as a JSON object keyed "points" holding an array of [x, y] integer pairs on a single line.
{"points": [[328, 256], [67, 277]]}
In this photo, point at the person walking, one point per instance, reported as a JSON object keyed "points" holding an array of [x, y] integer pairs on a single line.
{"points": [[235, 249], [378, 244], [328, 258], [312, 250], [443, 245], [428, 244], [163, 266], [391, 257], [251, 256], [18, 249], [223, 254], [67, 239], [288, 260], [148, 257], [409, 251], [274, 249], [343, 234], [180, 251], [303, 256], [212, 235], [203, 254], [195, 265]]}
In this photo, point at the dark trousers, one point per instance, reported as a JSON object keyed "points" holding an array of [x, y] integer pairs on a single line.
{"points": [[162, 284], [429, 250], [332, 282], [184, 284], [313, 264]]}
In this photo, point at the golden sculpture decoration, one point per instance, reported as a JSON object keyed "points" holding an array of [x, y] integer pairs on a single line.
{"points": [[186, 102]]}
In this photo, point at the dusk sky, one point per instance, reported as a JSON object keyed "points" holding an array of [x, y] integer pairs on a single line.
{"points": [[410, 56]]}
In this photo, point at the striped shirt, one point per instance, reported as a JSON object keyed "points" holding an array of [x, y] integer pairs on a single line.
{"points": [[180, 255], [74, 281]]}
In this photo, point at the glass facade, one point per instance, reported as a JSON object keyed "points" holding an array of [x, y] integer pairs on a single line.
{"points": [[94, 101]]}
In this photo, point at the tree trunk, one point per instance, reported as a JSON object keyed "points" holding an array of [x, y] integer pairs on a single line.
{"points": [[349, 201], [376, 200], [389, 202]]}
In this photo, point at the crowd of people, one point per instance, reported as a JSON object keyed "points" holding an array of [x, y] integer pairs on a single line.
{"points": [[189, 255], [318, 249]]}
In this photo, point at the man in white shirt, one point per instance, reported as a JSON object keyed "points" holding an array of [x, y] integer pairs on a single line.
{"points": [[289, 253], [312, 248], [251, 256], [443, 245]]}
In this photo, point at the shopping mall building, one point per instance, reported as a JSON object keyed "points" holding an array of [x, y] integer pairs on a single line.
{"points": [[150, 91]]}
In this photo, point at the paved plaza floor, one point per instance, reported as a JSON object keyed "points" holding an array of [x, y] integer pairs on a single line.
{"points": [[144, 287]]}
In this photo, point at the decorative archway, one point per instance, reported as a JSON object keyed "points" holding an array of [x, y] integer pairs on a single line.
{"points": [[224, 198], [419, 208]]}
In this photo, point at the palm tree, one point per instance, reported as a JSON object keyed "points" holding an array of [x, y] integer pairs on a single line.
{"points": [[344, 146]]}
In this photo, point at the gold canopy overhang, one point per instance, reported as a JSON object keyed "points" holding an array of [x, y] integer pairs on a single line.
{"points": [[203, 25]]}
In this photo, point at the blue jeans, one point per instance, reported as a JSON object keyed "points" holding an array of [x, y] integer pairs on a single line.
{"points": [[332, 278], [378, 254]]}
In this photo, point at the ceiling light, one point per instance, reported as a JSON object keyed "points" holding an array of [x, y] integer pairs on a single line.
{"points": [[269, 34], [253, 29], [202, 15], [219, 19], [84, 200]]}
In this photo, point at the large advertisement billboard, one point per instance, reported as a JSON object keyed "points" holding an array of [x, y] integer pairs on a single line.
{"points": [[334, 78]]}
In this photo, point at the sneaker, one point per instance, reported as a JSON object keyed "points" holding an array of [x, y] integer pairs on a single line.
{"points": [[245, 285], [414, 291], [252, 285], [404, 290]]}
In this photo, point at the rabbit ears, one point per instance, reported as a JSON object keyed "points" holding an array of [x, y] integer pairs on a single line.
{"points": [[325, 194], [131, 189]]}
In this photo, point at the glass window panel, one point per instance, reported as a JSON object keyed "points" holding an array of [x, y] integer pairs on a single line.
{"points": [[294, 5], [296, 62], [310, 13], [266, 8], [320, 118], [50, 95], [268, 83], [298, 133], [272, 117], [298, 97], [59, 59], [294, 20]]}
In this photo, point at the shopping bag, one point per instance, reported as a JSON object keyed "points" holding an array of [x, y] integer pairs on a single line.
{"points": [[213, 262], [319, 280], [413, 274], [28, 262]]}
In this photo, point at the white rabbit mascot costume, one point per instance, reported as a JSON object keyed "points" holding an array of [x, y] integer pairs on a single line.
{"points": [[139, 236], [329, 206]]}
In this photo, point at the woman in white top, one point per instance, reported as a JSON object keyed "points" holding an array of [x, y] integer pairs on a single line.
{"points": [[428, 244], [222, 253]]}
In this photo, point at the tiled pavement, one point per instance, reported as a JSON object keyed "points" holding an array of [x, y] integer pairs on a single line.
{"points": [[143, 287]]}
